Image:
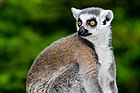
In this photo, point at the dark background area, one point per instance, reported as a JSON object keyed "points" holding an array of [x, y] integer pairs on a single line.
{"points": [[29, 26]]}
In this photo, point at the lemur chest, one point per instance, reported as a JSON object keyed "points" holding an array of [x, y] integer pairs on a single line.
{"points": [[105, 58]]}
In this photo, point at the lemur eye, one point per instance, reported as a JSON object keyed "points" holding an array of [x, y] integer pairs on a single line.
{"points": [[79, 22], [92, 22]]}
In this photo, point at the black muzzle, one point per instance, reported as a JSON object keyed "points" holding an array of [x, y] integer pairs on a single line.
{"points": [[83, 32]]}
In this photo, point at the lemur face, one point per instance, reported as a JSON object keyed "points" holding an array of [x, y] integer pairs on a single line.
{"points": [[92, 21]]}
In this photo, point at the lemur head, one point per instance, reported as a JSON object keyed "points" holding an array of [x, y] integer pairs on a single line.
{"points": [[92, 22]]}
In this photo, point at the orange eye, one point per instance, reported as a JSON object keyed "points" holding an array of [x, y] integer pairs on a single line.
{"points": [[79, 23], [92, 23]]}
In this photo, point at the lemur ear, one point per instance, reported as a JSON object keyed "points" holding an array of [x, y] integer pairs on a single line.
{"points": [[106, 17], [75, 12]]}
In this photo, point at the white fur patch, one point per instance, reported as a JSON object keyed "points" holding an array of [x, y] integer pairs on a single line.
{"points": [[105, 57]]}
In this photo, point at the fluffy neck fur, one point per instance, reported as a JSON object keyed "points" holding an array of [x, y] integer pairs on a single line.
{"points": [[102, 40], [102, 45]]}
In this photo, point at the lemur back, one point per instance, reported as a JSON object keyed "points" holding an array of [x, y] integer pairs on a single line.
{"points": [[60, 67]]}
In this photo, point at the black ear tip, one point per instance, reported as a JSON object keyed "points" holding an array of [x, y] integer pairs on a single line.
{"points": [[107, 18], [104, 22]]}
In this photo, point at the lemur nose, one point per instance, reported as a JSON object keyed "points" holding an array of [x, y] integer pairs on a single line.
{"points": [[83, 32]]}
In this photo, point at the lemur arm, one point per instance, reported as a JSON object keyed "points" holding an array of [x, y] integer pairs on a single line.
{"points": [[89, 67]]}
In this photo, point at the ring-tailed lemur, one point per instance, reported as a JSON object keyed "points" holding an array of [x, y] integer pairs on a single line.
{"points": [[80, 63]]}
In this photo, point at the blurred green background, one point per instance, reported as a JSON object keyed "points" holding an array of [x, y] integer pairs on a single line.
{"points": [[28, 26]]}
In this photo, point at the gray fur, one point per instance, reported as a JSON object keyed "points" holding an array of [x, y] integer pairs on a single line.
{"points": [[93, 85], [93, 10], [112, 84], [112, 70], [68, 82]]}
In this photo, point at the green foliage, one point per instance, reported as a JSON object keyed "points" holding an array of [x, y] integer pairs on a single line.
{"points": [[28, 26]]}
